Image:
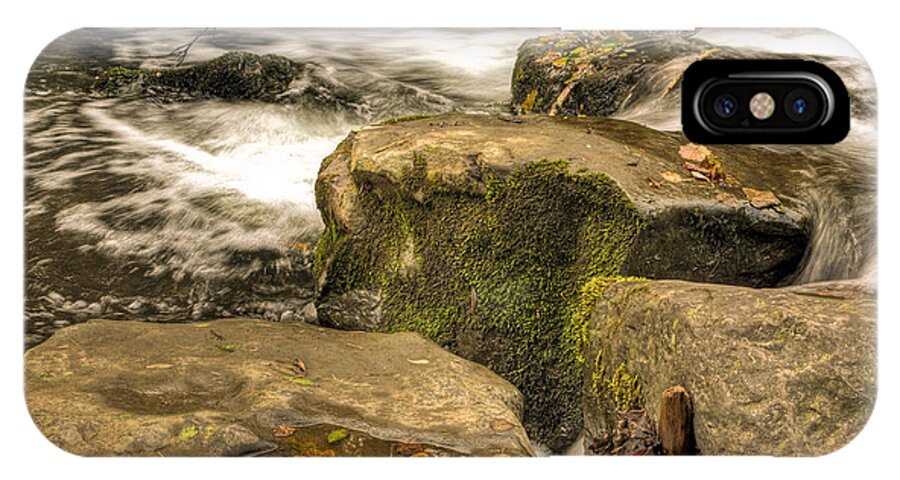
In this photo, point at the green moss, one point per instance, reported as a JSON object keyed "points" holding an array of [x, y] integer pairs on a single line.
{"points": [[234, 75], [188, 432], [617, 392], [504, 277]]}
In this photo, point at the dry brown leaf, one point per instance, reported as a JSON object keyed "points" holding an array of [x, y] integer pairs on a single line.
{"points": [[653, 183], [299, 367], [672, 177], [283, 430], [693, 152], [761, 198]]}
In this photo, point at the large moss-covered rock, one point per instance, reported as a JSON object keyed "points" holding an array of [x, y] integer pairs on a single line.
{"points": [[483, 232], [787, 371], [247, 387]]}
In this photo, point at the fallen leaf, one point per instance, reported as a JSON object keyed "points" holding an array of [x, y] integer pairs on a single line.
{"points": [[700, 176], [672, 177], [653, 183], [302, 246], [549, 57], [420, 454], [299, 367], [160, 365], [408, 449], [706, 161], [337, 435], [693, 152], [283, 430], [201, 325], [500, 425], [761, 198], [418, 362]]}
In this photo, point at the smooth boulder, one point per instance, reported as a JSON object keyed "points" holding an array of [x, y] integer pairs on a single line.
{"points": [[249, 387], [784, 372]]}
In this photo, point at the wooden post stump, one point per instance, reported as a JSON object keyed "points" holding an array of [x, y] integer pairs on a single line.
{"points": [[676, 422]]}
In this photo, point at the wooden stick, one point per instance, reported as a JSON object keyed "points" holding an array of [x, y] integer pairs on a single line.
{"points": [[676, 422]]}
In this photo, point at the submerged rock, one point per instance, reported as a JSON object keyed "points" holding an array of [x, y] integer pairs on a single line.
{"points": [[235, 76], [246, 387], [785, 372], [480, 232]]}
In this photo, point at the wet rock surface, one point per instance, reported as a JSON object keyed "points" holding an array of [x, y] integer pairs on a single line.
{"points": [[248, 387], [784, 372]]}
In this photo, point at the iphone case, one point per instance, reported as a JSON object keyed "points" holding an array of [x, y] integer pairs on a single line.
{"points": [[437, 242]]}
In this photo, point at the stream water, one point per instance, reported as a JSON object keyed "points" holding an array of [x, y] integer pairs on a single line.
{"points": [[192, 210]]}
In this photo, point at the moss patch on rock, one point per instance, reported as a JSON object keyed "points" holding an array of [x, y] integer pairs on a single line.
{"points": [[234, 75], [494, 276]]}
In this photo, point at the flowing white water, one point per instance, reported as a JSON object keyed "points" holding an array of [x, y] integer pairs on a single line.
{"points": [[184, 210]]}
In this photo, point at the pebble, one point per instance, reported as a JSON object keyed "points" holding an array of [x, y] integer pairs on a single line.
{"points": [[94, 309], [287, 316], [55, 298], [309, 313], [135, 306], [60, 323], [80, 305]]}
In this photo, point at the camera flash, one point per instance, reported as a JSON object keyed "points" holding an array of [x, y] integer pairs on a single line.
{"points": [[762, 105]]}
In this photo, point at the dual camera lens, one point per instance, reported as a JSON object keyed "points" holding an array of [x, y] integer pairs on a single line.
{"points": [[763, 101]]}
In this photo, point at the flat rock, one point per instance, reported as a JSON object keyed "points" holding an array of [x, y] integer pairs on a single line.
{"points": [[784, 372], [248, 387]]}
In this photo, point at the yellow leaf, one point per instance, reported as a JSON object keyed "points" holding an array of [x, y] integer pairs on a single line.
{"points": [[337, 435], [418, 362]]}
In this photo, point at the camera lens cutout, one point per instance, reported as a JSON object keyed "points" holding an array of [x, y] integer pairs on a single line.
{"points": [[725, 105], [763, 101], [801, 105]]}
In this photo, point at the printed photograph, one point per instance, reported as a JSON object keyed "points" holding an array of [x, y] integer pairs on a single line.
{"points": [[437, 242]]}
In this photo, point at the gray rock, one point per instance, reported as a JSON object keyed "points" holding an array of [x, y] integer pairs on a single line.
{"points": [[94, 309], [79, 305], [55, 298], [309, 314]]}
